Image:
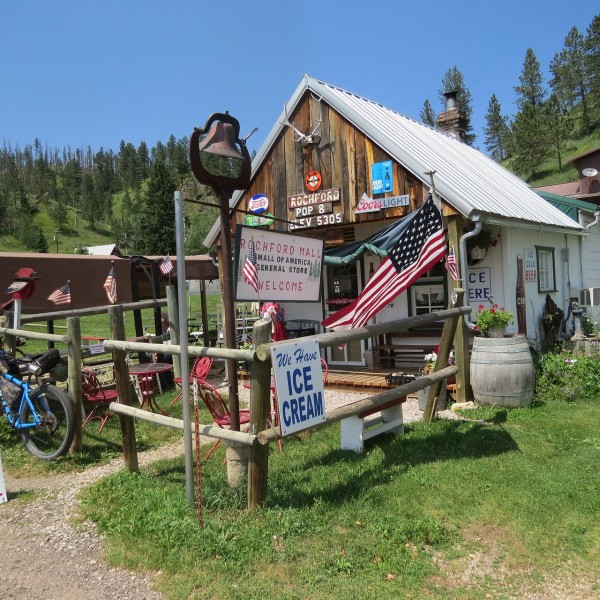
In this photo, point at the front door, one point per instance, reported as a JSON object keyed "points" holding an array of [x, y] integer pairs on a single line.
{"points": [[343, 284]]}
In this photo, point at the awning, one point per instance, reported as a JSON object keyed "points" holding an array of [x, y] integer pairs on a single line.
{"points": [[379, 244]]}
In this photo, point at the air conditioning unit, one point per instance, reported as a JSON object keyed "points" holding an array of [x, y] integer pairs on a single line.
{"points": [[586, 296]]}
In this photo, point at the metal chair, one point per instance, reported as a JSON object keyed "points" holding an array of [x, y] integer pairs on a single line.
{"points": [[200, 370], [95, 394], [218, 410]]}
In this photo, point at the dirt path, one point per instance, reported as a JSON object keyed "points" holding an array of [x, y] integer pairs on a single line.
{"points": [[44, 557]]}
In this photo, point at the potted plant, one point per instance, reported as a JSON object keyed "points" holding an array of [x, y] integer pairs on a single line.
{"points": [[477, 246], [430, 360], [493, 321]]}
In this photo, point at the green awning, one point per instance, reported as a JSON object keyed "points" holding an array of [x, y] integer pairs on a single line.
{"points": [[379, 244]]}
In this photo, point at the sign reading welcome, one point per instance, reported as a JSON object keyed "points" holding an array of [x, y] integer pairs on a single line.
{"points": [[289, 267]]}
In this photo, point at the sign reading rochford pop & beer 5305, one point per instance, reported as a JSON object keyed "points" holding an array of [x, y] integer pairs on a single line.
{"points": [[314, 210], [288, 267]]}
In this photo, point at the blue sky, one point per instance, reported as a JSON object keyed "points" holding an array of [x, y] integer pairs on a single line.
{"points": [[78, 73]]}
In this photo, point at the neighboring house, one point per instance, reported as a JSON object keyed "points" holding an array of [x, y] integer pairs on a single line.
{"points": [[587, 187], [104, 250], [341, 136]]}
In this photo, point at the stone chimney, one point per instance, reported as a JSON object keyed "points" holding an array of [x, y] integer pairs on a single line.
{"points": [[452, 121]]}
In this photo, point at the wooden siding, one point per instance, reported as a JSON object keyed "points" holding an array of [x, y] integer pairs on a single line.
{"points": [[343, 156]]}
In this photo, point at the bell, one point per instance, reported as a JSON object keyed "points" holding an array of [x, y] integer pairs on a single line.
{"points": [[220, 140]]}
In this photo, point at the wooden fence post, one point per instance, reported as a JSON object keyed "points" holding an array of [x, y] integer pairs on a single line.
{"points": [[260, 408], [443, 354], [74, 378], [117, 332]]}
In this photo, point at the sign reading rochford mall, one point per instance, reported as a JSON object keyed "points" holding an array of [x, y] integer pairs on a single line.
{"points": [[284, 266]]}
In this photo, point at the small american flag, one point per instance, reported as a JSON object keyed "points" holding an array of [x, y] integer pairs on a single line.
{"points": [[451, 265], [166, 266], [249, 271], [421, 244], [62, 295], [110, 285]]}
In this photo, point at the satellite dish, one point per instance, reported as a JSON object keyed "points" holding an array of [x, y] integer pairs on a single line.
{"points": [[589, 172]]}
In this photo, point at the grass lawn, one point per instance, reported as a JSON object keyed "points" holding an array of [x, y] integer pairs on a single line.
{"points": [[519, 494]]}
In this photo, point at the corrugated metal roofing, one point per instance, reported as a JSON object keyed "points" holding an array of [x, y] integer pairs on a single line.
{"points": [[571, 188], [465, 177], [570, 206]]}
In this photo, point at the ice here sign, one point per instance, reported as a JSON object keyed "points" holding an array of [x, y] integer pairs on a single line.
{"points": [[299, 385]]}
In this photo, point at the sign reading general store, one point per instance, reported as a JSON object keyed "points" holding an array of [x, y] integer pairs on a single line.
{"points": [[288, 267]]}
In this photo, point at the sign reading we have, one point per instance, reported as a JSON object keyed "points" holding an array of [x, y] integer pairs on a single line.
{"points": [[288, 266], [299, 385]]}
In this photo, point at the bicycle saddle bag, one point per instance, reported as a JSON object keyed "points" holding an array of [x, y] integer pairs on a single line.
{"points": [[48, 360]]}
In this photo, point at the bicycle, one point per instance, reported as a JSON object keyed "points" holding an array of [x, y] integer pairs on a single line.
{"points": [[38, 411]]}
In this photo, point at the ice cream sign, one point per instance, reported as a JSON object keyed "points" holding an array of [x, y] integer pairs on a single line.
{"points": [[369, 205]]}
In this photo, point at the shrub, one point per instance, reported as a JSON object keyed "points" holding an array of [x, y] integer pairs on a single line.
{"points": [[568, 375]]}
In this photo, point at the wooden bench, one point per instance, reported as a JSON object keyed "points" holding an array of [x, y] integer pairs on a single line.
{"points": [[358, 428], [390, 356]]}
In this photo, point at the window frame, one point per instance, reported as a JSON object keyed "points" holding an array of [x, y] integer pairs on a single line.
{"points": [[549, 270]]}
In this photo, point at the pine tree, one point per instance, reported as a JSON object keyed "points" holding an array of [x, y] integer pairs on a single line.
{"points": [[560, 125], [531, 91], [155, 231], [428, 115], [41, 243], [496, 131], [571, 80], [453, 81], [529, 142], [592, 57]]}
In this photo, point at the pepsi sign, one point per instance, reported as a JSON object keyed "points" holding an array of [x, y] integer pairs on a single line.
{"points": [[258, 203]]}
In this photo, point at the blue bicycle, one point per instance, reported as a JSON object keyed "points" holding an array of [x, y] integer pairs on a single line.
{"points": [[38, 411]]}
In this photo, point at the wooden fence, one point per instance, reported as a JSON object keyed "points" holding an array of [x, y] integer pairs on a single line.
{"points": [[260, 434]]}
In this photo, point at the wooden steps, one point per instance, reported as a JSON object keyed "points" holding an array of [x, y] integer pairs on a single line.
{"points": [[357, 381]]}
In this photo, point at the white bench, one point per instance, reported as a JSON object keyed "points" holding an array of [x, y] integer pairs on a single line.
{"points": [[363, 426]]}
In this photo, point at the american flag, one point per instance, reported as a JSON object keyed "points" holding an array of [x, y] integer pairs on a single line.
{"points": [[62, 295], [451, 265], [249, 271], [166, 266], [421, 244], [110, 285]]}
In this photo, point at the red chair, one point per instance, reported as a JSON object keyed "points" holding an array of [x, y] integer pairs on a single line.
{"points": [[199, 373], [93, 393], [218, 409]]}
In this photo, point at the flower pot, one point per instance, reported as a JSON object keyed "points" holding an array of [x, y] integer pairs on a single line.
{"points": [[478, 253], [502, 372], [442, 401], [496, 332]]}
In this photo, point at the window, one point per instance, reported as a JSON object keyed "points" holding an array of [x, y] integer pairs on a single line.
{"points": [[546, 273], [427, 298]]}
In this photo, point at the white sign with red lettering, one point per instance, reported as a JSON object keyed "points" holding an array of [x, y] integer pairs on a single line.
{"points": [[288, 267]]}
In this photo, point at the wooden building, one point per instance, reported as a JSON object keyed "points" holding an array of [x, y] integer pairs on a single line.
{"points": [[344, 168]]}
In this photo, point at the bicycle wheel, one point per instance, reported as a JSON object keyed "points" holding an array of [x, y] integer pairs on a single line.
{"points": [[53, 436]]}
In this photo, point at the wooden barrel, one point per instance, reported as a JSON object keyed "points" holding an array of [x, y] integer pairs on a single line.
{"points": [[502, 371]]}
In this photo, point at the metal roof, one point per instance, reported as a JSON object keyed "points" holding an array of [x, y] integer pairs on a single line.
{"points": [[570, 188], [467, 179]]}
